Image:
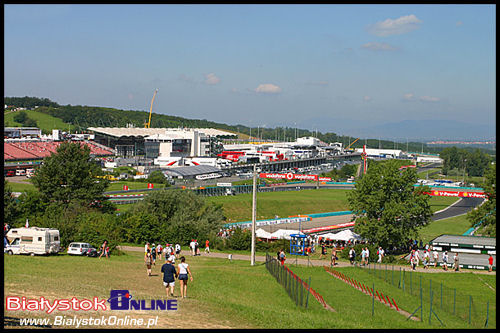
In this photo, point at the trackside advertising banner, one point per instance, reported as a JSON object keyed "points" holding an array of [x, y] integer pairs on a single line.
{"points": [[459, 194], [293, 176]]}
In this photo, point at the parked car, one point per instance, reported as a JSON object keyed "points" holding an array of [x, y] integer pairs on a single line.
{"points": [[92, 252], [10, 173], [79, 249]]}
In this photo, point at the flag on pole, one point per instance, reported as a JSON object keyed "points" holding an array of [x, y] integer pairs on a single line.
{"points": [[27, 224]]}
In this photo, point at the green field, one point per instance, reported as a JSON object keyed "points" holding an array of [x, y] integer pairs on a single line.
{"points": [[453, 226], [223, 294], [44, 121]]}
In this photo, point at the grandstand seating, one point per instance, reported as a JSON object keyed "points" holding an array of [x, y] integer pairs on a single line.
{"points": [[40, 149]]}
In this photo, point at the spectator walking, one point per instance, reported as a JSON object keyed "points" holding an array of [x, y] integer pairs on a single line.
{"points": [[352, 255], [445, 260], [146, 247], [412, 260], [183, 271], [435, 255], [177, 250], [104, 249], [363, 257], [148, 260], [417, 257], [456, 264], [323, 250], [191, 247], [334, 257], [380, 253], [282, 257], [196, 248], [159, 251], [490, 263], [367, 255], [153, 254], [426, 259], [207, 248], [169, 275]]}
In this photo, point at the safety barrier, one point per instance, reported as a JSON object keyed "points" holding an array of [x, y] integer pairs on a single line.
{"points": [[475, 310], [297, 289]]}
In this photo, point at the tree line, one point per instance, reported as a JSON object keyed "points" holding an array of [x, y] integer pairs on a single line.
{"points": [[83, 117], [474, 162]]}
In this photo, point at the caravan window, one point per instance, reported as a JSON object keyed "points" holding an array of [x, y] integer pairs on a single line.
{"points": [[39, 239], [56, 238], [15, 242], [26, 239]]}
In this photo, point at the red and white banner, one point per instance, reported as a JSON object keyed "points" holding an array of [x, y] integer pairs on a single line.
{"points": [[150, 185], [293, 176], [460, 194], [330, 227], [408, 166]]}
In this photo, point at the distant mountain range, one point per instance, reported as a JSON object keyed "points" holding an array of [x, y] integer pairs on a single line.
{"points": [[416, 130]]}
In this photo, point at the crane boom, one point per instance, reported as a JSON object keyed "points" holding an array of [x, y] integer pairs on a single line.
{"points": [[352, 143], [151, 109]]}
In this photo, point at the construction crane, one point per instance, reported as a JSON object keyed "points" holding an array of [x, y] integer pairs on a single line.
{"points": [[148, 124], [347, 148]]}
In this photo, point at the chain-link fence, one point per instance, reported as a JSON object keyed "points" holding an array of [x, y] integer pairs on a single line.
{"points": [[478, 312]]}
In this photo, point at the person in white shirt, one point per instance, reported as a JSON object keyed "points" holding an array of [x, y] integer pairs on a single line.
{"points": [[380, 253], [417, 257], [177, 250], [445, 260], [191, 246], [367, 255], [436, 257], [182, 272], [363, 257], [426, 259]]}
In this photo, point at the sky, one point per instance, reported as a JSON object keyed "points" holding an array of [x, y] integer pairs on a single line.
{"points": [[317, 67]]}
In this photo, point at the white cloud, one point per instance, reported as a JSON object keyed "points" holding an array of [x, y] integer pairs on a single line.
{"points": [[367, 98], [211, 79], [398, 26], [409, 97], [268, 88], [375, 46], [429, 99]]}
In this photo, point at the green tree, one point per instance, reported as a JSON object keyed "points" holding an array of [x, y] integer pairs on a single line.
{"points": [[174, 216], [486, 213], [10, 206], [389, 210], [70, 175], [20, 117], [157, 177]]}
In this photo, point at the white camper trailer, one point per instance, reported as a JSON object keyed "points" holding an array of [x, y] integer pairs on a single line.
{"points": [[34, 240]]}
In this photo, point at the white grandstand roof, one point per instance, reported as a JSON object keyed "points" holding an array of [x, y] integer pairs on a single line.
{"points": [[138, 131]]}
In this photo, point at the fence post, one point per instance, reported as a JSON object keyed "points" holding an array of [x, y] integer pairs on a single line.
{"points": [[454, 299], [392, 274], [430, 311], [487, 313], [308, 292], [403, 280], [385, 278], [470, 305], [441, 295], [399, 284], [411, 284], [373, 299]]}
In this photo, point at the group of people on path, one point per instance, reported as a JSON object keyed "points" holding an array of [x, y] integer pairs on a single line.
{"points": [[170, 272]]}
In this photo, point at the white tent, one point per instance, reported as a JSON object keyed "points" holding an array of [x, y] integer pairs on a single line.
{"points": [[283, 233], [261, 233], [329, 235], [346, 235]]}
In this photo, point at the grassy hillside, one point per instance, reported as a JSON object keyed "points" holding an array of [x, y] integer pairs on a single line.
{"points": [[44, 121]]}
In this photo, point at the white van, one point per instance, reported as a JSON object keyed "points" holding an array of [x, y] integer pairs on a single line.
{"points": [[33, 241], [20, 172], [30, 172]]}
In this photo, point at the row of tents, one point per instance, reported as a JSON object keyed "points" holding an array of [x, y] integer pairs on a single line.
{"points": [[344, 235]]}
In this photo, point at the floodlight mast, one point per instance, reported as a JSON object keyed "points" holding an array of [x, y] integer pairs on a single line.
{"points": [[148, 125]]}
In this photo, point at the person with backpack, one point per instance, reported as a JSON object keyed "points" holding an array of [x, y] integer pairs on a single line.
{"points": [[282, 257], [352, 255]]}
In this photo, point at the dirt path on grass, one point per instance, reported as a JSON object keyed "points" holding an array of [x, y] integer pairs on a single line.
{"points": [[317, 263]]}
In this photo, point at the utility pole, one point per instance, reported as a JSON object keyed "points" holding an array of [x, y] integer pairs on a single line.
{"points": [[254, 214]]}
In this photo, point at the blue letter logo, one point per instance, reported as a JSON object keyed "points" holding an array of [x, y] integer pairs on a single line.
{"points": [[119, 299]]}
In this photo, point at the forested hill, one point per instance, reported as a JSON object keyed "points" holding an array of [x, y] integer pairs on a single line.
{"points": [[83, 117]]}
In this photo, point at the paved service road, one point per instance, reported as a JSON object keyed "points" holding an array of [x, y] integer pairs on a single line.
{"points": [[459, 208]]}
